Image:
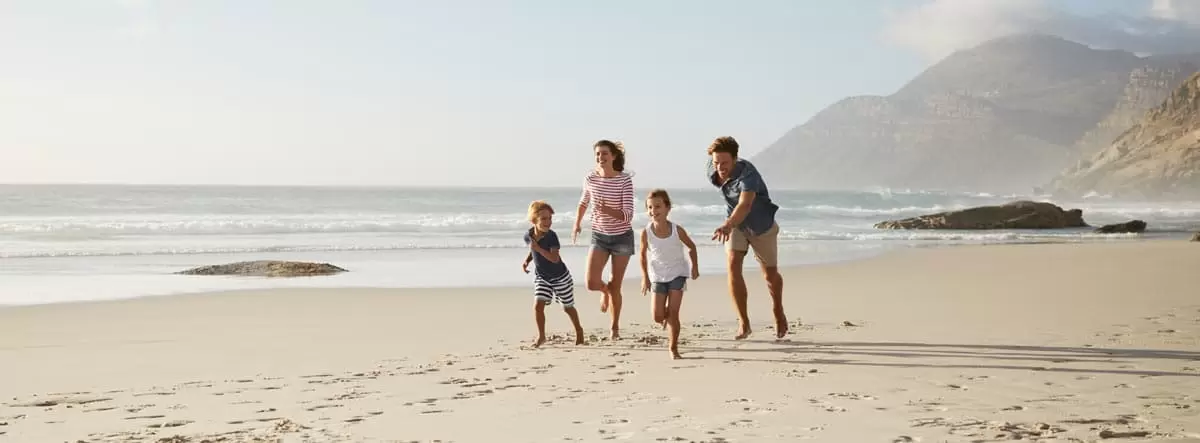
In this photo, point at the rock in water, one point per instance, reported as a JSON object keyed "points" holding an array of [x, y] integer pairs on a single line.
{"points": [[1021, 214], [267, 268], [1129, 227]]}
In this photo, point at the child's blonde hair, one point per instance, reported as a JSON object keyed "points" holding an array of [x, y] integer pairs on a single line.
{"points": [[534, 208], [660, 194]]}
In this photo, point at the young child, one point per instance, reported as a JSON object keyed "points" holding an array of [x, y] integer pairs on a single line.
{"points": [[552, 279], [664, 266]]}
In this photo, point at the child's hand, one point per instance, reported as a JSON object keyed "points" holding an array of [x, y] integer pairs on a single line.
{"points": [[525, 267], [695, 272], [645, 285]]}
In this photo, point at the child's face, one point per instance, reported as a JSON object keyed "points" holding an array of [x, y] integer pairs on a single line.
{"points": [[657, 209], [543, 219]]}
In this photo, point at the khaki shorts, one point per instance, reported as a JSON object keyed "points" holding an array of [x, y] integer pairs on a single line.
{"points": [[765, 245]]}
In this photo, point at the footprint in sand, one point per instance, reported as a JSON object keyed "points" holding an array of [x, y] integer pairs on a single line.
{"points": [[140, 417], [170, 424], [61, 400], [319, 407]]}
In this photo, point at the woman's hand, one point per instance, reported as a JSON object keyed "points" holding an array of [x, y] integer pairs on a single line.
{"points": [[645, 285]]}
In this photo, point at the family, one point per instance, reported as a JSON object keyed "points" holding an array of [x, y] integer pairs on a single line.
{"points": [[608, 193]]}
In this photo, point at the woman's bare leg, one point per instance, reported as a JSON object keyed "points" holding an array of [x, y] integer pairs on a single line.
{"points": [[619, 264], [596, 260]]}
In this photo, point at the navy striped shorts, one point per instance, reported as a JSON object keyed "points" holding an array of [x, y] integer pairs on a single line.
{"points": [[561, 289]]}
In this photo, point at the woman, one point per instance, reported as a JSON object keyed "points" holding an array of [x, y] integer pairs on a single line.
{"points": [[609, 191]]}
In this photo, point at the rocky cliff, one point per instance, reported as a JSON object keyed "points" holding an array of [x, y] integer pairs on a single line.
{"points": [[1007, 115], [1157, 158]]}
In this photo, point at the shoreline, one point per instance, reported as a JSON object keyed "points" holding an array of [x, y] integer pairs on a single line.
{"points": [[933, 344], [175, 286]]}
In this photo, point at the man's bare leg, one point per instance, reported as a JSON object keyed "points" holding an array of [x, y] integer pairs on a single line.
{"points": [[737, 290], [595, 271], [574, 314], [675, 298], [775, 286], [619, 264], [539, 316]]}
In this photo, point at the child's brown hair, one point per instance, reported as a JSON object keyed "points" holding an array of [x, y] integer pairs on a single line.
{"points": [[659, 194], [534, 208]]}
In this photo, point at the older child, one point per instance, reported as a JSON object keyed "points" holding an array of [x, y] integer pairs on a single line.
{"points": [[552, 280], [664, 266]]}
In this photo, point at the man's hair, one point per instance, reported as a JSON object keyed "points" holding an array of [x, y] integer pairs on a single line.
{"points": [[724, 144], [661, 194]]}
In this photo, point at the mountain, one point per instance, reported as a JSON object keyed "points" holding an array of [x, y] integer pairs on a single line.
{"points": [[1006, 115], [1157, 158]]}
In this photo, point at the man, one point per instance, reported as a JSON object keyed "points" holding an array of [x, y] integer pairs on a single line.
{"points": [[750, 224]]}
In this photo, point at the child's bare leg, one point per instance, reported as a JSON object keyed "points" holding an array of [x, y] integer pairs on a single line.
{"points": [[539, 316], [675, 298], [658, 307], [574, 314]]}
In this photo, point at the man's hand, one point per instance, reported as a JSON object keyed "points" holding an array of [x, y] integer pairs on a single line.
{"points": [[722, 233]]}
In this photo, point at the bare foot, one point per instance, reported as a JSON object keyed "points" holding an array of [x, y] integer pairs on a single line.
{"points": [[663, 324], [539, 342], [675, 355], [604, 300], [579, 339], [616, 335], [781, 329], [743, 332]]}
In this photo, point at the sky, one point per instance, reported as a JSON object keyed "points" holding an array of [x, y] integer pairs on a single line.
{"points": [[471, 92]]}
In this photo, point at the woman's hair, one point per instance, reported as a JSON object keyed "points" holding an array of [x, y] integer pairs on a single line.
{"points": [[660, 194], [618, 152], [534, 208]]}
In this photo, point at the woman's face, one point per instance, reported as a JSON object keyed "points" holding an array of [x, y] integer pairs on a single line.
{"points": [[604, 156]]}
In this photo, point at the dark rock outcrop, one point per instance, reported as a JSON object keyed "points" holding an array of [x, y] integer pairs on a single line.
{"points": [[1129, 227], [267, 268], [1014, 215]]}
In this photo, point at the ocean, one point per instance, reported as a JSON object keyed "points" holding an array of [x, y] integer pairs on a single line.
{"points": [[61, 243]]}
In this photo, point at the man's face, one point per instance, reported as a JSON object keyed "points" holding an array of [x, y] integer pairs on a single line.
{"points": [[723, 162]]}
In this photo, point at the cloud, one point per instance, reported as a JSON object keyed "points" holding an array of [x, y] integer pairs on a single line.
{"points": [[936, 28]]}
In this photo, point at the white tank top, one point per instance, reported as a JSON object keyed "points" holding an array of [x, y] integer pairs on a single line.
{"points": [[665, 257]]}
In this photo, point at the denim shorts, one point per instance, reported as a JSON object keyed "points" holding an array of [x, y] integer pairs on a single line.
{"points": [[619, 245], [676, 284]]}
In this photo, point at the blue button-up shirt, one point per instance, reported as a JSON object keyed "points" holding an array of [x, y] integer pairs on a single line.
{"points": [[745, 178]]}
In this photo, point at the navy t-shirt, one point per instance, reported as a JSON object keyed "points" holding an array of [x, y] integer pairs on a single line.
{"points": [[746, 178], [544, 268]]}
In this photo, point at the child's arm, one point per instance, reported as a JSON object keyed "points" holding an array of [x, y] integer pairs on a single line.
{"points": [[645, 271], [525, 264], [550, 253], [691, 246]]}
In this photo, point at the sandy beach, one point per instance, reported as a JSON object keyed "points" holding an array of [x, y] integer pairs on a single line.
{"points": [[1064, 342]]}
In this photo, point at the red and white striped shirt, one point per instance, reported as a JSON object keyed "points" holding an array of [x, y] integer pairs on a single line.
{"points": [[614, 192]]}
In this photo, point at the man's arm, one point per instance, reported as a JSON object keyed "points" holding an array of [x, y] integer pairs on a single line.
{"points": [[745, 200]]}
